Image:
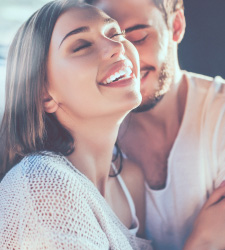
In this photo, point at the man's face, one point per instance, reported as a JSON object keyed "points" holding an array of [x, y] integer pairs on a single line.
{"points": [[146, 28]]}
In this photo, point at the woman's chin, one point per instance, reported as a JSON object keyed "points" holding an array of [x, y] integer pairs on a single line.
{"points": [[137, 99], [133, 103]]}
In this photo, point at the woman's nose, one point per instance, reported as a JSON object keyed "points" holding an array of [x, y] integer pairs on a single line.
{"points": [[111, 49]]}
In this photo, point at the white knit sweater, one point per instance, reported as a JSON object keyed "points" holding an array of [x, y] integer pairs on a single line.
{"points": [[46, 203]]}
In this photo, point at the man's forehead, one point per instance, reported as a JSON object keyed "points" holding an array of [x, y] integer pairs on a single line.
{"points": [[118, 3], [129, 12], [127, 8]]}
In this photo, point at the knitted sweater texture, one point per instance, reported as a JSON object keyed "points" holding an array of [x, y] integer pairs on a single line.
{"points": [[46, 203]]}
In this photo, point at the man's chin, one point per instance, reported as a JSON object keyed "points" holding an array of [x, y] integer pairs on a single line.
{"points": [[150, 104]]}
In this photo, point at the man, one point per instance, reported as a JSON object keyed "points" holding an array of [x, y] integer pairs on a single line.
{"points": [[177, 135]]}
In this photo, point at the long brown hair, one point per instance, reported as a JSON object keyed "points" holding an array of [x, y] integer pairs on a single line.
{"points": [[26, 127]]}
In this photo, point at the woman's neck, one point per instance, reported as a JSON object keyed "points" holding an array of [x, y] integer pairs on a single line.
{"points": [[94, 142]]}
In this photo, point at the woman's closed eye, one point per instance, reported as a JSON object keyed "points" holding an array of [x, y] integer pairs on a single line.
{"points": [[118, 34], [82, 46]]}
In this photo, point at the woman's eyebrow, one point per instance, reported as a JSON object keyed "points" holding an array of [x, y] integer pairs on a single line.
{"points": [[76, 31], [85, 29]]}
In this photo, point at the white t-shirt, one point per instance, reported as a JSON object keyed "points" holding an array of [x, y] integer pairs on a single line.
{"points": [[196, 165]]}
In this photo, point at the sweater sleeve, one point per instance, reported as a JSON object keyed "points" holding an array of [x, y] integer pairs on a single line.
{"points": [[45, 208]]}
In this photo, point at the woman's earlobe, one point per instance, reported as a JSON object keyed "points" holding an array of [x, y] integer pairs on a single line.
{"points": [[179, 25], [50, 105]]}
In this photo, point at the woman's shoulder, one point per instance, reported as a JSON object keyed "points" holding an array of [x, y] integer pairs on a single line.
{"points": [[131, 173], [134, 180], [133, 177], [38, 170], [42, 179], [45, 163]]}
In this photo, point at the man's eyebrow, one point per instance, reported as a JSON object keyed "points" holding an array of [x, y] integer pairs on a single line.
{"points": [[137, 27], [76, 31]]}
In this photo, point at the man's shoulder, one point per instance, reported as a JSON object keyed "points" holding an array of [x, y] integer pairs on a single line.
{"points": [[206, 83], [209, 96]]}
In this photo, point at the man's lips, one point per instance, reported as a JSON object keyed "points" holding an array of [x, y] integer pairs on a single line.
{"points": [[120, 70]]}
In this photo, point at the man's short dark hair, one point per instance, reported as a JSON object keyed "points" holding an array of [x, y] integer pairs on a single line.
{"points": [[167, 7]]}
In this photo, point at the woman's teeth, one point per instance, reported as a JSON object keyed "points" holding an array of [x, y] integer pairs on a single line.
{"points": [[119, 75]]}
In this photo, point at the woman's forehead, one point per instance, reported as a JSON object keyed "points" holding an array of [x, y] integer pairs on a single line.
{"points": [[82, 14], [77, 17]]}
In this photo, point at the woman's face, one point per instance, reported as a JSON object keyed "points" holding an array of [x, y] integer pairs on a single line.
{"points": [[92, 69]]}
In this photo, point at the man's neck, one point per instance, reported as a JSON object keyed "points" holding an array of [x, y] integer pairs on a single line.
{"points": [[148, 137]]}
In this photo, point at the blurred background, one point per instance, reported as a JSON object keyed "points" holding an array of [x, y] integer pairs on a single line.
{"points": [[12, 14], [202, 49]]}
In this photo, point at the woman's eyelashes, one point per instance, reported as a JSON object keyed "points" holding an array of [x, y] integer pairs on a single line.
{"points": [[82, 46], [119, 34]]}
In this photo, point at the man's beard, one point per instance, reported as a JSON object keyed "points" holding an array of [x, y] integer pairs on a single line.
{"points": [[165, 79]]}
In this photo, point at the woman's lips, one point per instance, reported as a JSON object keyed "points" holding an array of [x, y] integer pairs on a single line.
{"points": [[121, 70], [121, 82]]}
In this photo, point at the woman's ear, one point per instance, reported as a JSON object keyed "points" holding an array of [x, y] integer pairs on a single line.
{"points": [[50, 105], [179, 25]]}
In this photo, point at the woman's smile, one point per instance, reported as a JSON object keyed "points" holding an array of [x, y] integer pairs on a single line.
{"points": [[118, 73]]}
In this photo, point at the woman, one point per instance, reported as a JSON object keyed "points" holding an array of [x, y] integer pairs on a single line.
{"points": [[71, 79]]}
